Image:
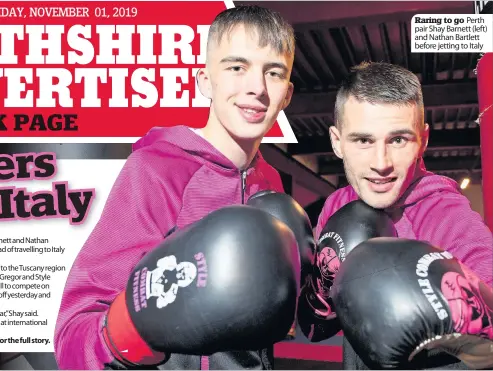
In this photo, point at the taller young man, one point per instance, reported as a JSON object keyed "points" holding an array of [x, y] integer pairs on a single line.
{"points": [[175, 177]]}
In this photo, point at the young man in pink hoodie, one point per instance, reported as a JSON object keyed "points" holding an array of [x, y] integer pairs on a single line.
{"points": [[175, 177], [381, 136]]}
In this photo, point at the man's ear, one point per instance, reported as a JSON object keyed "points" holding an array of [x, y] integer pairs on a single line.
{"points": [[289, 95], [204, 82], [335, 139], [425, 134]]}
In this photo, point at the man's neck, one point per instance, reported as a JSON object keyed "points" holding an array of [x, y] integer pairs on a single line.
{"points": [[241, 154]]}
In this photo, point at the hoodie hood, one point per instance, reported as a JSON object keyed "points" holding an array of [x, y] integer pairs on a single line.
{"points": [[187, 140], [425, 184]]}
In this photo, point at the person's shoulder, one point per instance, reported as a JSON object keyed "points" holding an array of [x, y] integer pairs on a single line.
{"points": [[445, 218], [162, 162], [440, 183], [438, 199], [439, 190]]}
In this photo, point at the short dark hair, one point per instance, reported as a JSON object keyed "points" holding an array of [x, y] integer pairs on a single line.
{"points": [[270, 26], [379, 83]]}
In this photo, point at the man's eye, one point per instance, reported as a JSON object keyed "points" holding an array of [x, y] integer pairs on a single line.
{"points": [[363, 141], [235, 68], [399, 141]]}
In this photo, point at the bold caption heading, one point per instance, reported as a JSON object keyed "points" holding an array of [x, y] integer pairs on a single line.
{"points": [[61, 202]]}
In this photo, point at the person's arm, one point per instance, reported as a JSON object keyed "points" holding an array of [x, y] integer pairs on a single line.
{"points": [[448, 222], [137, 215]]}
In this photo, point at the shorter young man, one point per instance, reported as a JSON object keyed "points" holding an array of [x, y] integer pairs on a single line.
{"points": [[381, 136]]}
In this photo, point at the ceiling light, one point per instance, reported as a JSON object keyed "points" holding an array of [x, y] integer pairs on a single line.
{"points": [[465, 182]]}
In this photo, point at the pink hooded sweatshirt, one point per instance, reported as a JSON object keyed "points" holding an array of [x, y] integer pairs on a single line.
{"points": [[433, 210], [173, 178]]}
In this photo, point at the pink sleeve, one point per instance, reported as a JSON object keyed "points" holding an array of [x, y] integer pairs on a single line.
{"points": [[450, 223], [135, 218]]}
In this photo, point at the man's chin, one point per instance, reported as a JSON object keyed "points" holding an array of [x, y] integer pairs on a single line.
{"points": [[378, 201], [250, 132]]}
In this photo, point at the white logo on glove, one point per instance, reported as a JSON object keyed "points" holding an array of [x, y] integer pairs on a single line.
{"points": [[164, 281]]}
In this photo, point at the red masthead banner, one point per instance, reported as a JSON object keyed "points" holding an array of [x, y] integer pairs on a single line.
{"points": [[105, 71]]}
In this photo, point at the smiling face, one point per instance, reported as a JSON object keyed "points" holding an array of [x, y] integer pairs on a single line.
{"points": [[247, 84], [380, 145]]}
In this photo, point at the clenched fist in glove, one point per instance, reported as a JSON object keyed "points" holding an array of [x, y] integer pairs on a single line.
{"points": [[228, 282], [398, 299], [349, 226], [286, 209]]}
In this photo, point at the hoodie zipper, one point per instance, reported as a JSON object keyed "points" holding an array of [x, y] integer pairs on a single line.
{"points": [[204, 360], [243, 185]]}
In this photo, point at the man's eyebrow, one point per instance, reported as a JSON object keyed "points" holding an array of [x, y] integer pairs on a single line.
{"points": [[362, 135], [359, 135], [403, 132], [233, 59], [282, 66], [237, 59]]}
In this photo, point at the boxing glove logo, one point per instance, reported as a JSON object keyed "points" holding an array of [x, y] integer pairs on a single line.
{"points": [[328, 263], [165, 280], [329, 260], [467, 298]]}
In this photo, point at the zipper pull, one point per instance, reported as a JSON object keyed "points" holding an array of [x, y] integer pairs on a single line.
{"points": [[243, 180], [243, 185]]}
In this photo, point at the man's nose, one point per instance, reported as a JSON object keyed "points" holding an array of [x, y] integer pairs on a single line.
{"points": [[381, 161], [255, 84]]}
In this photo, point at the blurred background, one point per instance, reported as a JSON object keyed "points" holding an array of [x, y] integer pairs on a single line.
{"points": [[332, 37]]}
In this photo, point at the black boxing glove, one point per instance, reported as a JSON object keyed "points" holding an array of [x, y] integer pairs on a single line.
{"points": [[291, 213], [228, 282], [400, 302], [348, 227]]}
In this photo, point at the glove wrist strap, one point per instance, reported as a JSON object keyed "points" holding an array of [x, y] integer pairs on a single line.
{"points": [[123, 339], [319, 304]]}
